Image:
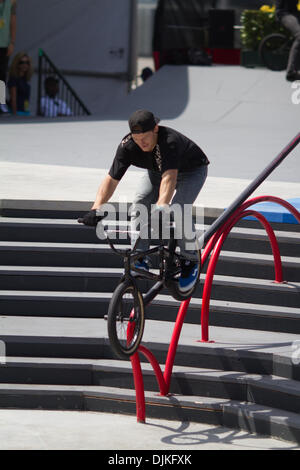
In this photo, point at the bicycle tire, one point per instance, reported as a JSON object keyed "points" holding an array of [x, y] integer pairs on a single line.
{"points": [[121, 314], [273, 51], [173, 285]]}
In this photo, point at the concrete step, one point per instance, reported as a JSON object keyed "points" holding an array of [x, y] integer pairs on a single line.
{"points": [[228, 288], [231, 413], [59, 254], [57, 279], [241, 264], [63, 210], [247, 351], [260, 291], [46, 230], [260, 389], [165, 308], [69, 231], [101, 256]]}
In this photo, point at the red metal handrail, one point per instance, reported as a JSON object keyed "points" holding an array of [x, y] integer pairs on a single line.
{"points": [[215, 256], [218, 239], [163, 380], [215, 243]]}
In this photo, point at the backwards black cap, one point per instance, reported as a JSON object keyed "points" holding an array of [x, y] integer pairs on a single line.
{"points": [[142, 121]]}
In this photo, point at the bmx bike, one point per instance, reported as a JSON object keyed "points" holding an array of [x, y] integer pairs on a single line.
{"points": [[274, 51], [126, 311]]}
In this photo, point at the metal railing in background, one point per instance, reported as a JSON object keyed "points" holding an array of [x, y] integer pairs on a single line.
{"points": [[66, 102]]}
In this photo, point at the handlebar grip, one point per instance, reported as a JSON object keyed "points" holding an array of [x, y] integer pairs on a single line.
{"points": [[97, 219]]}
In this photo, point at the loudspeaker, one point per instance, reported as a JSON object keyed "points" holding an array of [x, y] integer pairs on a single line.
{"points": [[221, 28]]}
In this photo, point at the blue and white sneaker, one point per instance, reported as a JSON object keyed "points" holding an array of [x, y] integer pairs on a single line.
{"points": [[143, 263], [189, 275]]}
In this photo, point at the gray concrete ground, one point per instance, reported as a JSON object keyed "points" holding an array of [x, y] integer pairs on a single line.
{"points": [[40, 429], [241, 118]]}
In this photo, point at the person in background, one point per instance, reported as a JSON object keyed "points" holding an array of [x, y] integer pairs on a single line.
{"points": [[7, 39], [289, 16], [19, 76], [146, 73], [50, 105]]}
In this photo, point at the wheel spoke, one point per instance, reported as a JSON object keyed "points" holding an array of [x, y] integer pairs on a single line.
{"points": [[126, 321]]}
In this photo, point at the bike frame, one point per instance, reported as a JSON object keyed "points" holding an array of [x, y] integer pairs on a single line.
{"points": [[130, 272]]}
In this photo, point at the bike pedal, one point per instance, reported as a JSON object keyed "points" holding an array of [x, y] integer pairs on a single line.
{"points": [[174, 272]]}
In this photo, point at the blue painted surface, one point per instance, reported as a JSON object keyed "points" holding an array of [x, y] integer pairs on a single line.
{"points": [[275, 212]]}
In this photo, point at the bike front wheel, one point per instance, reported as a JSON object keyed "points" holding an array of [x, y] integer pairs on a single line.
{"points": [[274, 51], [125, 320]]}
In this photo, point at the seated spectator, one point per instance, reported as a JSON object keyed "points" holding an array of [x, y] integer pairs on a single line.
{"points": [[50, 105], [19, 76]]}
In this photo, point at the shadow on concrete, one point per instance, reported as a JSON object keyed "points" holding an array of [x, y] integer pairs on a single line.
{"points": [[166, 93], [216, 435]]}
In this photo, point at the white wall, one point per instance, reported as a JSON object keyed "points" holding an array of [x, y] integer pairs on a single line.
{"points": [[83, 35], [86, 36]]}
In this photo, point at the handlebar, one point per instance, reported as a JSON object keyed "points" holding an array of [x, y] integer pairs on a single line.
{"points": [[101, 229], [106, 231]]}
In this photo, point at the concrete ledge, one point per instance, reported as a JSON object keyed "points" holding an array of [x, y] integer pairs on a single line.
{"points": [[243, 350], [260, 389], [232, 413], [277, 213], [79, 206]]}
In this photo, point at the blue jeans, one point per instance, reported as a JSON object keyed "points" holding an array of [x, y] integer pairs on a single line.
{"points": [[188, 186]]}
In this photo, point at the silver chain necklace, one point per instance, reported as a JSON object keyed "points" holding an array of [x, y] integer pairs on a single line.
{"points": [[157, 156]]}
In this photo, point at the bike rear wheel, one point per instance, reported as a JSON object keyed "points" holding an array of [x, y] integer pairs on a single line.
{"points": [[274, 51], [126, 320]]}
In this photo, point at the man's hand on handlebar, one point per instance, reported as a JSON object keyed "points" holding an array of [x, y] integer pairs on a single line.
{"points": [[90, 218]]}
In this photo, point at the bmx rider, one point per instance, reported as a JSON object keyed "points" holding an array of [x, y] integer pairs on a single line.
{"points": [[172, 162]]}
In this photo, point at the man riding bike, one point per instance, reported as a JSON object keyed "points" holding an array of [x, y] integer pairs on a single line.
{"points": [[173, 163]]}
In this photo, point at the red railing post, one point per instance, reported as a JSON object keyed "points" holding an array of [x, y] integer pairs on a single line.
{"points": [[139, 388], [215, 256], [162, 379], [174, 342], [218, 239], [157, 370]]}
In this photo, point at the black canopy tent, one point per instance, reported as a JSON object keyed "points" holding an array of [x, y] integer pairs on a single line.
{"points": [[182, 30], [178, 27], [183, 27]]}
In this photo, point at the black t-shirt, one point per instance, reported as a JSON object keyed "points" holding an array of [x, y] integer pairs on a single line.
{"points": [[286, 6], [173, 151]]}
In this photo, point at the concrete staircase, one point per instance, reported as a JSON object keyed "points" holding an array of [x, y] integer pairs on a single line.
{"points": [[56, 283]]}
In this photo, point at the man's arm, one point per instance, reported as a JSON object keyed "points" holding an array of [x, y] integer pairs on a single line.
{"points": [[167, 187], [105, 191]]}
